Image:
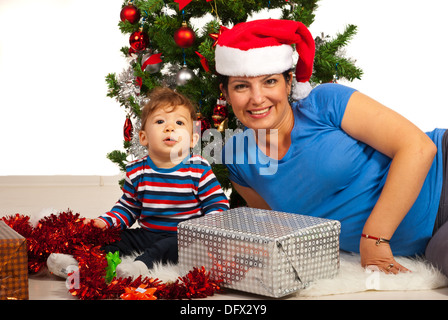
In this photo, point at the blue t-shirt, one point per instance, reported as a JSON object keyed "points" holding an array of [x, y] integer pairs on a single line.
{"points": [[326, 173]]}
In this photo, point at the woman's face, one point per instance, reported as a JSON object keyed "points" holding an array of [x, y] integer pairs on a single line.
{"points": [[260, 102]]}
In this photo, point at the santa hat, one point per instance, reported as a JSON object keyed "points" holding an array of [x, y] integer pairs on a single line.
{"points": [[262, 47]]}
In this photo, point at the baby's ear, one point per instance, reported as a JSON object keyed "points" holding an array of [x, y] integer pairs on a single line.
{"points": [[143, 138], [194, 140]]}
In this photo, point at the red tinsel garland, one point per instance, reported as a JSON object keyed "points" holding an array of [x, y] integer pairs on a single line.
{"points": [[59, 233], [67, 233]]}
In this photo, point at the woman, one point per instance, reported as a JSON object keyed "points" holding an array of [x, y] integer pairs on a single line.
{"points": [[340, 155]]}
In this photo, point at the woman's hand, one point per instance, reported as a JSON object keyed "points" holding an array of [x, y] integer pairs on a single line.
{"points": [[380, 256], [96, 223]]}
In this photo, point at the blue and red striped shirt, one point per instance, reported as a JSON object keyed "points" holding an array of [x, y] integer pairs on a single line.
{"points": [[161, 198]]}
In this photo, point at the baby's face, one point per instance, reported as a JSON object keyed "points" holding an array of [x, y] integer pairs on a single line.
{"points": [[168, 133]]}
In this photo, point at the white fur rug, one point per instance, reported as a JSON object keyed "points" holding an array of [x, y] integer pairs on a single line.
{"points": [[352, 277]]}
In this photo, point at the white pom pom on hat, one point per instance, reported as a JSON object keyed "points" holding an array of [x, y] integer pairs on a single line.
{"points": [[262, 47]]}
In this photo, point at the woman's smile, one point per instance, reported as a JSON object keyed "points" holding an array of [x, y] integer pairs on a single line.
{"points": [[260, 113]]}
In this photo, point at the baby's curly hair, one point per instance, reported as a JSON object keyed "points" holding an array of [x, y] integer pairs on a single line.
{"points": [[162, 97]]}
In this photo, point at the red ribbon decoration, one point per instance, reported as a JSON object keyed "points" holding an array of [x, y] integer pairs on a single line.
{"points": [[204, 62], [184, 3], [153, 59]]}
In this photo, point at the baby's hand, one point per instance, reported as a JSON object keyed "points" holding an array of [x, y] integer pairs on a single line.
{"points": [[96, 223]]}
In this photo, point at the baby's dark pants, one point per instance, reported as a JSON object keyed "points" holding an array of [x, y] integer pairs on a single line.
{"points": [[151, 247]]}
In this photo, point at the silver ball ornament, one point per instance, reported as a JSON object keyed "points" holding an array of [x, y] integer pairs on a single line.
{"points": [[183, 76]]}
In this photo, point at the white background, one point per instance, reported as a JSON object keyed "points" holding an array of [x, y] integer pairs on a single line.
{"points": [[54, 55]]}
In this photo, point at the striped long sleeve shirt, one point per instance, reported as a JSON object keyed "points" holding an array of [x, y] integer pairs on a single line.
{"points": [[161, 198]]}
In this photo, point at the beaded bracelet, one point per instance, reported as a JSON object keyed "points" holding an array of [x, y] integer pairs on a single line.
{"points": [[378, 240]]}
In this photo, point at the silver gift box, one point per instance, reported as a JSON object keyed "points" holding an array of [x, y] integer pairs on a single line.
{"points": [[261, 251]]}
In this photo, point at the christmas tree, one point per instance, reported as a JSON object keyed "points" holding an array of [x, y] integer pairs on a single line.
{"points": [[171, 43]]}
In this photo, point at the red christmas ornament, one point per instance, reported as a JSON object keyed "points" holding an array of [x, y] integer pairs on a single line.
{"points": [[127, 129], [220, 114], [184, 36], [130, 13], [203, 122], [139, 40]]}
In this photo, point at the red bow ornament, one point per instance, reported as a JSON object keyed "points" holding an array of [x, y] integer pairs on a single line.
{"points": [[140, 293]]}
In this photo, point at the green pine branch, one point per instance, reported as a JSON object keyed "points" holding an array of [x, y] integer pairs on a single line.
{"points": [[112, 85], [119, 158], [328, 60], [304, 12], [341, 40]]}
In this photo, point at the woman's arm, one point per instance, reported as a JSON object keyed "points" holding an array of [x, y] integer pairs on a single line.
{"points": [[412, 153], [253, 199]]}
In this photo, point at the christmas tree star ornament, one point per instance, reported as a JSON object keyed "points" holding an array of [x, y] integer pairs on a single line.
{"points": [[215, 36]]}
